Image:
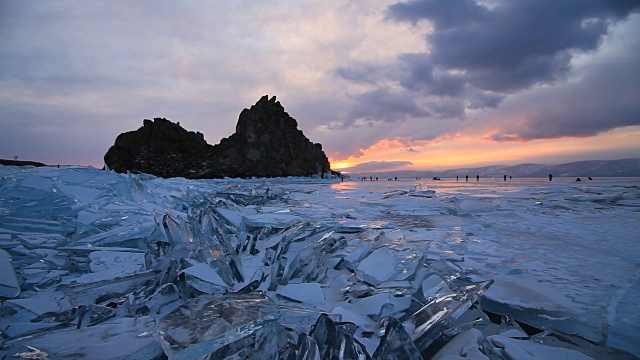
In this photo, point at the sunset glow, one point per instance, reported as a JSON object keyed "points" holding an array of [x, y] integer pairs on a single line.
{"points": [[468, 151]]}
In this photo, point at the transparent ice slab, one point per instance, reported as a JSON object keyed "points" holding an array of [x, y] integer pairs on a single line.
{"points": [[207, 323], [83, 291], [119, 235], [205, 279], [218, 247], [9, 286], [302, 319], [389, 259], [427, 323], [336, 340], [126, 338], [396, 344], [265, 343]]}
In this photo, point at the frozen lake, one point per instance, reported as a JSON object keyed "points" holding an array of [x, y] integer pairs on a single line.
{"points": [[562, 256], [578, 241]]}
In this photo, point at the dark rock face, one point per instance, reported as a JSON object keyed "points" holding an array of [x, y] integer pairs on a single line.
{"points": [[7, 162], [267, 143]]}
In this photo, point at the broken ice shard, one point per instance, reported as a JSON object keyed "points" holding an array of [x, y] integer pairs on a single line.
{"points": [[396, 344], [301, 319], [124, 338], [308, 349], [391, 248], [311, 262], [502, 348], [428, 322], [9, 286], [87, 288], [121, 235], [118, 263], [202, 277], [336, 341], [178, 233], [307, 293], [421, 190], [219, 248], [265, 343], [207, 323]]}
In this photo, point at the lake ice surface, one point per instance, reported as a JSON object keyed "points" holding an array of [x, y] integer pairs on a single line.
{"points": [[92, 260]]}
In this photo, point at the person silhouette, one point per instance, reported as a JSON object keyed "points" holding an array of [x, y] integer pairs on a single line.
{"points": [[550, 177], [466, 178], [477, 177]]}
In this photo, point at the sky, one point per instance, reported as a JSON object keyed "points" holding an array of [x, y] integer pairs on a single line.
{"points": [[381, 84]]}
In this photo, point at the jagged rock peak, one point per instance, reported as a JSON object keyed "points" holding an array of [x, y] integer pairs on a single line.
{"points": [[267, 143], [266, 113]]}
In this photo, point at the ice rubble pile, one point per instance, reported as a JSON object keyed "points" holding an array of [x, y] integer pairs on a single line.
{"points": [[100, 265]]}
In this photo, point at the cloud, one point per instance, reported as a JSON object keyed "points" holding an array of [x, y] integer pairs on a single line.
{"points": [[377, 166], [351, 73], [384, 105], [602, 97], [528, 69], [110, 66], [515, 44]]}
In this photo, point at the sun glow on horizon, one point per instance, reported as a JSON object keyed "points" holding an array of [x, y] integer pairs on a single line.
{"points": [[477, 151], [339, 165]]}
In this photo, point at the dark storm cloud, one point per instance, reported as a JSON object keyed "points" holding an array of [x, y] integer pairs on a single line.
{"points": [[378, 165], [417, 73], [484, 99], [516, 43], [601, 100], [363, 73], [479, 56], [385, 105]]}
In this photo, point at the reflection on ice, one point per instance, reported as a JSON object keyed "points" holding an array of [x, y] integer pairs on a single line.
{"points": [[205, 324]]}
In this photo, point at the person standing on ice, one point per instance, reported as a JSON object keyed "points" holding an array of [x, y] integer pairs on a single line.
{"points": [[550, 177], [466, 178], [477, 177]]}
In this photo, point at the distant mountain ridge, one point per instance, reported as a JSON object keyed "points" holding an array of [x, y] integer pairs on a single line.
{"points": [[599, 168]]}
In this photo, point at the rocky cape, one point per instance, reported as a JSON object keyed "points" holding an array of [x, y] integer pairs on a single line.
{"points": [[267, 143]]}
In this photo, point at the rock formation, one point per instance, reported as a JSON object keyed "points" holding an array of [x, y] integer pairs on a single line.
{"points": [[267, 143], [7, 162]]}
